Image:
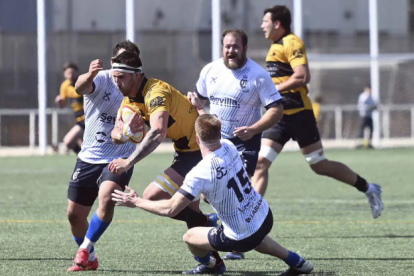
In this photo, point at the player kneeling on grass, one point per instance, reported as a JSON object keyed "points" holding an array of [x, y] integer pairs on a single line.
{"points": [[246, 219]]}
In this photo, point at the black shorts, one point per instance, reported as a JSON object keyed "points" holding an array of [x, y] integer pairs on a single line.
{"points": [[184, 161], [249, 151], [221, 242], [86, 178], [300, 127]]}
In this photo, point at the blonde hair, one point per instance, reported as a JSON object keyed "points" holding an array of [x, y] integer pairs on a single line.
{"points": [[208, 128]]}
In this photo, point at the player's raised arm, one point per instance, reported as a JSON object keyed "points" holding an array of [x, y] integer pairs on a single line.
{"points": [[197, 102], [84, 84]]}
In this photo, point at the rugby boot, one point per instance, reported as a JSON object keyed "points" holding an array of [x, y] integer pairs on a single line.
{"points": [[92, 265], [374, 198], [82, 257], [218, 269], [304, 267], [234, 255]]}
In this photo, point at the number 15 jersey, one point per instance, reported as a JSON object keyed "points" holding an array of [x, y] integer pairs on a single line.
{"points": [[221, 177]]}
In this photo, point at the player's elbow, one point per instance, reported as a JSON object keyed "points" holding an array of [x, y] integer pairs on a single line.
{"points": [[172, 212]]}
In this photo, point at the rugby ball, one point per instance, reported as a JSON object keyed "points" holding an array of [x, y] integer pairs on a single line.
{"points": [[135, 130]]}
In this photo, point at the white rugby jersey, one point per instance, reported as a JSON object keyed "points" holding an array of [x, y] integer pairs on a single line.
{"points": [[236, 96], [101, 107], [221, 177]]}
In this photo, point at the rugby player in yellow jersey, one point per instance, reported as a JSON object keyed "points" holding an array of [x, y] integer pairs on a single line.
{"points": [[169, 114], [288, 66], [72, 139]]}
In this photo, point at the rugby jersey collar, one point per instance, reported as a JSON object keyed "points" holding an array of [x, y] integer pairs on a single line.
{"points": [[280, 41], [139, 97]]}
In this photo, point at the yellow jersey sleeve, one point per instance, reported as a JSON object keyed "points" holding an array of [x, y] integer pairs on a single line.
{"points": [[296, 53], [63, 88], [158, 101]]}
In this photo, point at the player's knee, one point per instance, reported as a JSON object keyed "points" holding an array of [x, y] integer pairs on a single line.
{"points": [[267, 155], [187, 237], [75, 218]]}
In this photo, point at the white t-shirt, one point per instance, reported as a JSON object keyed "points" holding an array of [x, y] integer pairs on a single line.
{"points": [[221, 177], [101, 107], [366, 105], [236, 96]]}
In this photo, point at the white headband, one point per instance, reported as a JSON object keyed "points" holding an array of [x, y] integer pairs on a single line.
{"points": [[126, 68]]}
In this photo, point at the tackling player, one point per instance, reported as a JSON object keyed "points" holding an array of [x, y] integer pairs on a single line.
{"points": [[91, 178], [169, 114], [246, 219], [237, 88], [288, 66]]}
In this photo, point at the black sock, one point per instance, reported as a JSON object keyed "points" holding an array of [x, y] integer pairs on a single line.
{"points": [[216, 255], [76, 149], [361, 184], [191, 217], [194, 219]]}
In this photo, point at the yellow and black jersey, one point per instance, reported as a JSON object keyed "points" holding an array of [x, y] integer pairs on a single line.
{"points": [[155, 95], [67, 92], [283, 56]]}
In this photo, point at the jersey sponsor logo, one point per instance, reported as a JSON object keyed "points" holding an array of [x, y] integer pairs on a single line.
{"points": [[107, 119], [220, 173], [157, 101], [213, 79], [228, 102], [106, 97], [255, 210], [75, 174], [298, 53], [243, 82], [100, 137]]}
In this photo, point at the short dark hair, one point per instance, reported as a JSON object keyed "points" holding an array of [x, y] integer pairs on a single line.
{"points": [[128, 58], [71, 65], [236, 32], [281, 13], [127, 45], [208, 128]]}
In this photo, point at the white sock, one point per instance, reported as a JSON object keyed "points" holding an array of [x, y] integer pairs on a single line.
{"points": [[92, 256], [87, 244], [370, 190]]}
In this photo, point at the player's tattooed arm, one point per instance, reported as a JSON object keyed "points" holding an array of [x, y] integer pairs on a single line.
{"points": [[148, 145], [154, 137]]}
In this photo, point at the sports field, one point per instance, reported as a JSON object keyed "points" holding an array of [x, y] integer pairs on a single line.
{"points": [[326, 222]]}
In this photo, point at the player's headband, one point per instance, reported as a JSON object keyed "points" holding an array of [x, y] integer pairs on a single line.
{"points": [[126, 68]]}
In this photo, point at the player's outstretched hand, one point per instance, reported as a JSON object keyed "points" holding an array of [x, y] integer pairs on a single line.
{"points": [[120, 165], [136, 123], [125, 199], [94, 68], [244, 133], [195, 100]]}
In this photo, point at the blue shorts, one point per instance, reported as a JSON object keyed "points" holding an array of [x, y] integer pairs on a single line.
{"points": [[86, 178], [221, 242], [249, 151]]}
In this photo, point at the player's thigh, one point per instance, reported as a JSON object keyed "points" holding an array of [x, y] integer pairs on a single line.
{"points": [[198, 237], [305, 130], [172, 178], [249, 151], [108, 182], [74, 133], [83, 185]]}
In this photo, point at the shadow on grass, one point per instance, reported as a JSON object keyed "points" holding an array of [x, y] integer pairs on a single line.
{"points": [[234, 273], [353, 237], [361, 259], [36, 259]]}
